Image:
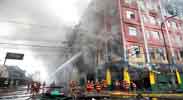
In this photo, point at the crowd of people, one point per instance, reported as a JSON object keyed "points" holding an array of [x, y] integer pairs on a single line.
{"points": [[35, 87], [98, 86], [91, 86], [115, 85]]}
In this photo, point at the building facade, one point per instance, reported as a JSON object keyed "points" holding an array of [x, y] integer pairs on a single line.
{"points": [[148, 40], [16, 76], [130, 34], [141, 29]]}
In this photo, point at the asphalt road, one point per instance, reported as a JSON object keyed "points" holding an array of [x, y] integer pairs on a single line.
{"points": [[19, 93]]}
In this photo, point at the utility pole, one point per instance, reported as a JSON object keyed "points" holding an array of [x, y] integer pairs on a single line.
{"points": [[171, 57]]}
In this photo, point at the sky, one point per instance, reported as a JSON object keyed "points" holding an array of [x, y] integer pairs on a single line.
{"points": [[37, 22]]}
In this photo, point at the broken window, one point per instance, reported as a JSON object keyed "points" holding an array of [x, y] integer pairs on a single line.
{"points": [[135, 51], [130, 15]]}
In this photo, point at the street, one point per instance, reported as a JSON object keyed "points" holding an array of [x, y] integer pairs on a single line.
{"points": [[19, 93]]}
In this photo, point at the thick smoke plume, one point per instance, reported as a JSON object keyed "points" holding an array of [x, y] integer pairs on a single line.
{"points": [[90, 35]]}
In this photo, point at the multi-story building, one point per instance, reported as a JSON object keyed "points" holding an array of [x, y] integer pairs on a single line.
{"points": [[133, 32], [142, 28], [16, 76]]}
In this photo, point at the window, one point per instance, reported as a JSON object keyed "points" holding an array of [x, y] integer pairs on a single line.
{"points": [[178, 39], [147, 34], [152, 5], [168, 24], [156, 35], [132, 31], [145, 19], [158, 21], [152, 20], [129, 1], [130, 15], [135, 51], [174, 25], [160, 54], [152, 54], [142, 4], [181, 54]]}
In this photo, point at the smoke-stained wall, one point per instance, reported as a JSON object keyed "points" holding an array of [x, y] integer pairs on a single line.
{"points": [[98, 26]]}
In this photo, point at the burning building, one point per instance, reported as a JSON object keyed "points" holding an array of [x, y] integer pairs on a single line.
{"points": [[137, 36]]}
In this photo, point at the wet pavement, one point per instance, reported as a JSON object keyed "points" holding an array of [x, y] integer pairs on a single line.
{"points": [[18, 93]]}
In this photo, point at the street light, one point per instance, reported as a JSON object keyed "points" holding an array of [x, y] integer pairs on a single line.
{"points": [[164, 40], [172, 11]]}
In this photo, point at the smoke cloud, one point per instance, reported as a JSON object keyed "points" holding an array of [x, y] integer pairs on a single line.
{"points": [[38, 28]]}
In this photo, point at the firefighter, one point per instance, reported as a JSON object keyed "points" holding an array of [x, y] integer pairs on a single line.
{"points": [[117, 85], [33, 88], [72, 87], [28, 86], [104, 84], [121, 85], [38, 87], [90, 86], [133, 86], [43, 87], [98, 87], [126, 85]]}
